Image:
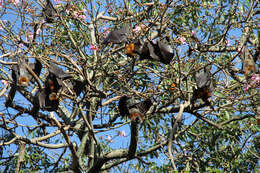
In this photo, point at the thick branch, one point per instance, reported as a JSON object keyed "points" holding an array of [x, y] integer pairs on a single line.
{"points": [[173, 131], [20, 159]]}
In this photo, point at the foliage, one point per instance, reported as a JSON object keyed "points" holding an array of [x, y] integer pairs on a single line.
{"points": [[87, 133]]}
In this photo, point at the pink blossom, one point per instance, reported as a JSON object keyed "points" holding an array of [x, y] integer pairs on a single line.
{"points": [[193, 33], [82, 17], [182, 40], [228, 42], [38, 31], [21, 45], [122, 133], [4, 82], [78, 15], [57, 1], [94, 47], [30, 36], [137, 28], [255, 79], [240, 50], [1, 28], [15, 2], [1, 3], [68, 10], [246, 87]]}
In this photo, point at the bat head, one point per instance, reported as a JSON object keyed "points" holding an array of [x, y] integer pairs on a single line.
{"points": [[23, 81], [129, 49], [23, 75], [136, 117]]}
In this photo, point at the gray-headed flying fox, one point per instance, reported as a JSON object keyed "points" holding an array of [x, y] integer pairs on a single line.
{"points": [[135, 111], [49, 12], [22, 77], [204, 84], [118, 36], [159, 51]]}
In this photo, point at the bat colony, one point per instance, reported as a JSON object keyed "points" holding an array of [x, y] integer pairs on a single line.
{"points": [[58, 82]]}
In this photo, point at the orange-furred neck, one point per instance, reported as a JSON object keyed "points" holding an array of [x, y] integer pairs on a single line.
{"points": [[23, 80], [135, 115], [129, 48]]}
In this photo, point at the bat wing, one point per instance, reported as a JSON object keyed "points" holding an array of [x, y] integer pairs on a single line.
{"points": [[78, 86], [11, 95], [153, 50], [117, 36], [122, 105], [166, 52], [58, 72], [144, 106], [41, 97], [15, 74], [45, 103], [200, 79], [37, 67], [52, 83]]}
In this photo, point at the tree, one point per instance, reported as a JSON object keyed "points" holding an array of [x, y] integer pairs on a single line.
{"points": [[204, 111]]}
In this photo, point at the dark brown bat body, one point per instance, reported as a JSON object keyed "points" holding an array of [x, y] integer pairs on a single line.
{"points": [[135, 111], [47, 101], [49, 12], [158, 51], [204, 85], [248, 61], [21, 77], [57, 82]]}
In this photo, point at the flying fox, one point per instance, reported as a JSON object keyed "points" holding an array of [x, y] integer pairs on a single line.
{"points": [[248, 61], [49, 12], [21, 77], [159, 51], [204, 84], [118, 36], [135, 111]]}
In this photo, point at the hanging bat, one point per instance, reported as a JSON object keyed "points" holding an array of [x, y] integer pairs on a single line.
{"points": [[118, 36], [46, 101], [48, 98], [159, 51], [54, 80], [49, 12], [76, 86], [248, 61], [21, 77], [135, 111], [204, 84]]}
